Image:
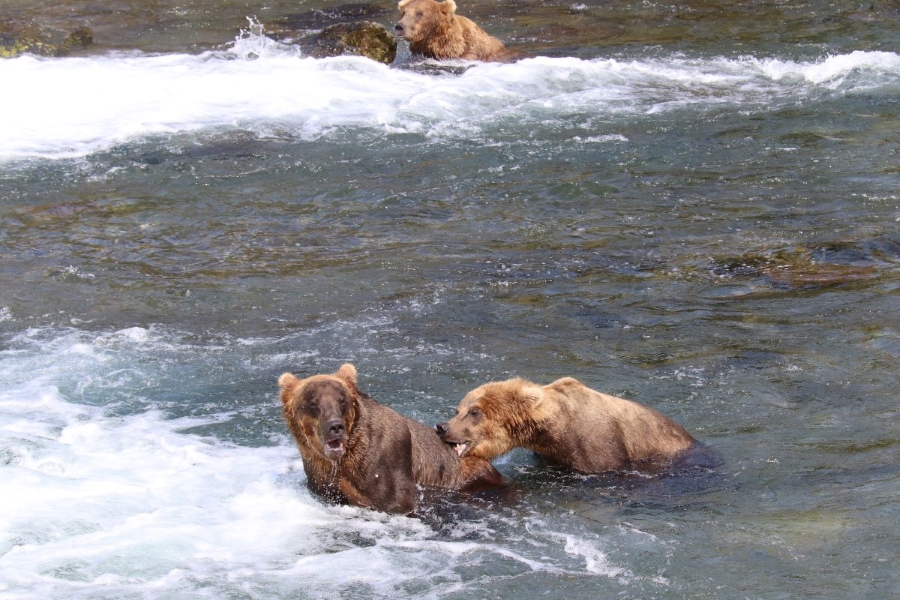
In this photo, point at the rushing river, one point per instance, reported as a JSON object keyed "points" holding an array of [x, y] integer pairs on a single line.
{"points": [[696, 206]]}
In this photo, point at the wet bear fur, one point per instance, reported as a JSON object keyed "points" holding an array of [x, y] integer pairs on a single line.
{"points": [[567, 423], [434, 30], [357, 451]]}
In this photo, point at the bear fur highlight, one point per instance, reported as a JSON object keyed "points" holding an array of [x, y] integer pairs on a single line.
{"points": [[567, 423], [357, 451], [434, 30]]}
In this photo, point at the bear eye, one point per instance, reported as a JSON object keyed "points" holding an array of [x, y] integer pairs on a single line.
{"points": [[475, 412]]}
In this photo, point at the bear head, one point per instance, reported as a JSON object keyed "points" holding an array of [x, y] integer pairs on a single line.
{"points": [[424, 19], [320, 410], [494, 418]]}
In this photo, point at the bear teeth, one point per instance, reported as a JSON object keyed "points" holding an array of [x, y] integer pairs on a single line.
{"points": [[460, 448]]}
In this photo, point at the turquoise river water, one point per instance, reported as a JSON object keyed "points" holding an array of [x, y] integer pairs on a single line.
{"points": [[693, 205]]}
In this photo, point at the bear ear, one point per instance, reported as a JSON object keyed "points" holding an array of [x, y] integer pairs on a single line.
{"points": [[347, 372], [288, 384], [448, 6], [402, 4]]}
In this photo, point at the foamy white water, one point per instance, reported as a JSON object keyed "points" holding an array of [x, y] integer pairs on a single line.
{"points": [[72, 107]]}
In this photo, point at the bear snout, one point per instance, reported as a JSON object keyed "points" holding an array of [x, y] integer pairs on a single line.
{"points": [[331, 436], [334, 429], [442, 429]]}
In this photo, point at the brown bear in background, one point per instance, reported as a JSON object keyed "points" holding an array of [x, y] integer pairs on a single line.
{"points": [[434, 30], [357, 451], [566, 422]]}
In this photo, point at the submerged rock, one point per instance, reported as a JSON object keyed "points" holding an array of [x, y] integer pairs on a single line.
{"points": [[25, 37], [800, 268]]}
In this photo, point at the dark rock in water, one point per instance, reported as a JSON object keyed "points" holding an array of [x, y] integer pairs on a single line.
{"points": [[291, 25], [367, 39], [26, 37]]}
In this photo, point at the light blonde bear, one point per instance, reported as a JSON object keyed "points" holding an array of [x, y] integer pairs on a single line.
{"points": [[434, 30], [566, 422]]}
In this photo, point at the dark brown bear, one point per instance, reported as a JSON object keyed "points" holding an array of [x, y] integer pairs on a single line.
{"points": [[566, 422], [357, 451]]}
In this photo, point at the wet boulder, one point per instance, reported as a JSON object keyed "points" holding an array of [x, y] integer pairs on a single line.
{"points": [[26, 37], [367, 39]]}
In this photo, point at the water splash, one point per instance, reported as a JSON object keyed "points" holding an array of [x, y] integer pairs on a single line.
{"points": [[596, 560], [252, 43]]}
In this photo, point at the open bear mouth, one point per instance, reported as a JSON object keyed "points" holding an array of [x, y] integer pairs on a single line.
{"points": [[334, 445], [460, 447]]}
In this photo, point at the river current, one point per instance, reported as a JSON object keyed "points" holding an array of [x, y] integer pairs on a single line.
{"points": [[695, 206]]}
